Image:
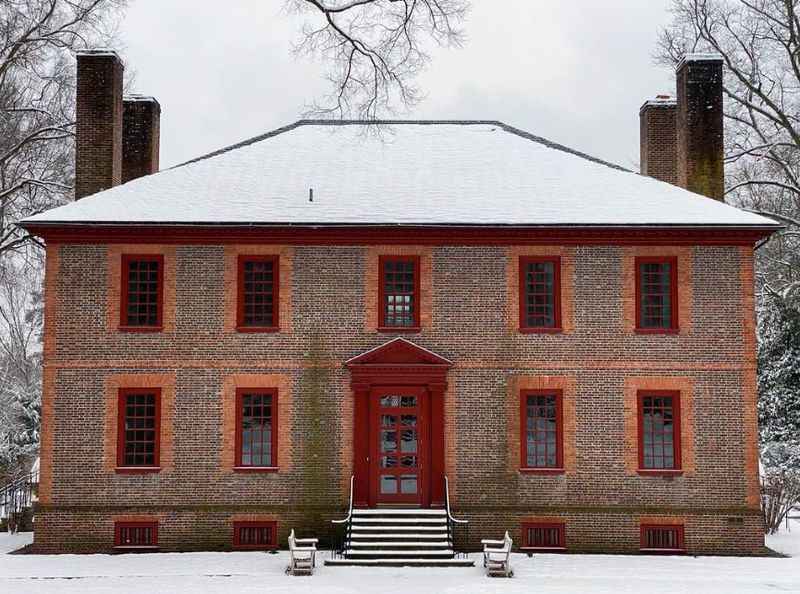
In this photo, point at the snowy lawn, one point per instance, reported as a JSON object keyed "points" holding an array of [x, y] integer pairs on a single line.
{"points": [[181, 573]]}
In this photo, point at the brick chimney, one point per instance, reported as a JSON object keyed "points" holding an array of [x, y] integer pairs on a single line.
{"points": [[140, 136], [98, 111], [699, 125], [658, 138]]}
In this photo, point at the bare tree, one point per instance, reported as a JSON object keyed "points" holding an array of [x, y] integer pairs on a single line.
{"points": [[375, 49], [37, 102], [759, 41]]}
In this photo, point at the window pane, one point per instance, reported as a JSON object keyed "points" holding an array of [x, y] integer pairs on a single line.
{"points": [[541, 434], [256, 430], [658, 433], [539, 295], [142, 292], [258, 293], [399, 288], [655, 295]]}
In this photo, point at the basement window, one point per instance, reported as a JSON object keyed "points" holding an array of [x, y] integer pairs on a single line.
{"points": [[255, 535], [136, 535], [540, 294], [142, 293], [257, 302], [656, 295], [543, 536], [662, 538], [399, 293]]}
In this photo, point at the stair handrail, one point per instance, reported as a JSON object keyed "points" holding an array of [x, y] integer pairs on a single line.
{"points": [[350, 506], [447, 504]]}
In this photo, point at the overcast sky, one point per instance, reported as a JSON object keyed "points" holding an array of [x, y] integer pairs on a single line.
{"points": [[575, 72]]}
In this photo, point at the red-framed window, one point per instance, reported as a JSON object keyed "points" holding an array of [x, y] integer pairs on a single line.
{"points": [[256, 428], [255, 535], [541, 432], [257, 294], [142, 292], [657, 294], [666, 538], [544, 536], [139, 429], [399, 293], [659, 430], [540, 294], [136, 535]]}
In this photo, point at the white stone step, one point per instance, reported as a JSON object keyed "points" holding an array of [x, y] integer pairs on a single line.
{"points": [[379, 535], [360, 527], [400, 511], [390, 562], [404, 543], [441, 521], [390, 553]]}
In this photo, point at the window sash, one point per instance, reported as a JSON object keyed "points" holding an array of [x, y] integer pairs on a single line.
{"points": [[258, 281], [135, 534], [256, 428], [656, 294], [541, 429], [139, 428], [399, 292], [540, 293], [659, 430], [141, 291]]}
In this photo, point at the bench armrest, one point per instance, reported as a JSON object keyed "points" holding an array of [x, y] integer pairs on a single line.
{"points": [[487, 541], [302, 541]]}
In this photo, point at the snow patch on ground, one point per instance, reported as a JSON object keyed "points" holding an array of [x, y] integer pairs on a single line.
{"points": [[787, 541], [178, 573], [12, 542]]}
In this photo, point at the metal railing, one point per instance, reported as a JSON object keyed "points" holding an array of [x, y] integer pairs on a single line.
{"points": [[17, 496], [341, 530], [453, 523]]}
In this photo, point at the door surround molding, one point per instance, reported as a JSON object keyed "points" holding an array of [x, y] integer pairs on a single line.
{"points": [[398, 363]]}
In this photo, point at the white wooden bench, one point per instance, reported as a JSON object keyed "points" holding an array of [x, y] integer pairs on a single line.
{"points": [[497, 556], [302, 555]]}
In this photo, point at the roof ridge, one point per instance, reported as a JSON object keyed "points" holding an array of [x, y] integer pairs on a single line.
{"points": [[389, 122]]}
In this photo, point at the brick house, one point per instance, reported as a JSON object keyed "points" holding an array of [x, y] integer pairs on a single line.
{"points": [[229, 341]]}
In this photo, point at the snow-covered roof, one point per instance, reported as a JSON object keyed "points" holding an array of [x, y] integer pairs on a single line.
{"points": [[399, 173]]}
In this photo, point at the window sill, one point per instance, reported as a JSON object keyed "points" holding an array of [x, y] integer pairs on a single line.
{"points": [[269, 547], [149, 329], [399, 329], [648, 472], [657, 330], [543, 549], [542, 470], [541, 330], [137, 469], [258, 329], [255, 469], [136, 547], [664, 551]]}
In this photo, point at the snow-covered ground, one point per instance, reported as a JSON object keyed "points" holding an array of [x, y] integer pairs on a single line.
{"points": [[194, 573]]}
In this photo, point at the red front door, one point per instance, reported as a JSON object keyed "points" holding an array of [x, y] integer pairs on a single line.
{"points": [[398, 445]]}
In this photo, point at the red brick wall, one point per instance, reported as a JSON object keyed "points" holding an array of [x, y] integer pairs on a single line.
{"points": [[467, 317]]}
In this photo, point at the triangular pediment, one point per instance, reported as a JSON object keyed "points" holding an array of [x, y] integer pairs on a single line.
{"points": [[399, 352]]}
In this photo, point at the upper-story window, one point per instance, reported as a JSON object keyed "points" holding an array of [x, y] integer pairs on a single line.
{"points": [[541, 433], [258, 294], [138, 430], [399, 294], [256, 428], [540, 294], [656, 294], [659, 431], [142, 292]]}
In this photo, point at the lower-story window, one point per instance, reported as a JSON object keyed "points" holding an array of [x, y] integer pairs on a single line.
{"points": [[664, 538], [136, 535], [255, 535], [256, 431], [543, 536]]}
